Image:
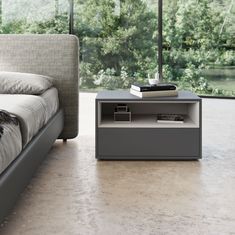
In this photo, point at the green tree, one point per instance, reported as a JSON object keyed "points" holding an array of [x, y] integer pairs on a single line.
{"points": [[0, 13], [113, 41], [56, 8], [192, 42]]}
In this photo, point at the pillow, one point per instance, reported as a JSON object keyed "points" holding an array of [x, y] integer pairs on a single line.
{"points": [[23, 83]]}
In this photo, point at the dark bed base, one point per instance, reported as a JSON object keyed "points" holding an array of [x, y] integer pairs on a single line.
{"points": [[15, 178]]}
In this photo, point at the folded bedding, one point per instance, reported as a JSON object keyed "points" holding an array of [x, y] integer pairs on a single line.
{"points": [[10, 138], [32, 112]]}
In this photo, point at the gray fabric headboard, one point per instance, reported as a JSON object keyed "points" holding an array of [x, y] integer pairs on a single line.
{"points": [[51, 55]]}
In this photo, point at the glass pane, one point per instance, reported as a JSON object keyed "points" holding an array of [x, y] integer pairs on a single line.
{"points": [[30, 16], [199, 45], [118, 41]]}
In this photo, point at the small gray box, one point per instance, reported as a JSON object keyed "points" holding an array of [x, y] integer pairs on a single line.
{"points": [[122, 116], [121, 108]]}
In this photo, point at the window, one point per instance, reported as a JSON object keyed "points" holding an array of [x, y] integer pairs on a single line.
{"points": [[199, 44], [29, 16], [118, 39]]}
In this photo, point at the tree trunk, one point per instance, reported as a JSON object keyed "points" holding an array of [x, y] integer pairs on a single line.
{"points": [[0, 12], [56, 7], [226, 16]]}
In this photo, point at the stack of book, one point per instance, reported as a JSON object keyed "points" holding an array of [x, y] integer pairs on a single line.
{"points": [[154, 90]]}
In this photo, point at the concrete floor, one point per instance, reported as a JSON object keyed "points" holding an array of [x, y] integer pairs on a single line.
{"points": [[73, 194]]}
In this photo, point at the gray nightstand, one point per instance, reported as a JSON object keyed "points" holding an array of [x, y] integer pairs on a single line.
{"points": [[143, 138]]}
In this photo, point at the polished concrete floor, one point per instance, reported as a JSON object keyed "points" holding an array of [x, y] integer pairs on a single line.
{"points": [[73, 194]]}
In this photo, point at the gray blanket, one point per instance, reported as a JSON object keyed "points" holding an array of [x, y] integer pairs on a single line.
{"points": [[10, 139], [6, 118], [30, 110]]}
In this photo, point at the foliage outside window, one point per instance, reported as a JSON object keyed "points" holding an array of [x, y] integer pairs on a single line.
{"points": [[199, 44], [118, 39], [118, 42], [30, 16]]}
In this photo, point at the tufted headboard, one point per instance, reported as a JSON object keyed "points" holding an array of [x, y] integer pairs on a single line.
{"points": [[51, 55]]}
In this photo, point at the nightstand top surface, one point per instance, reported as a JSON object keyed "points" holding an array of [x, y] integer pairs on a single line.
{"points": [[125, 95]]}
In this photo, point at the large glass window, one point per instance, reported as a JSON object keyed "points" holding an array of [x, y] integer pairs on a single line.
{"points": [[118, 39], [30, 16], [199, 45]]}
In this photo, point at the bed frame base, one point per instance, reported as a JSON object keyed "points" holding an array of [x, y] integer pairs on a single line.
{"points": [[18, 174]]}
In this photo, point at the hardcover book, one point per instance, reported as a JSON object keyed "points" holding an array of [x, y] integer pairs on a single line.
{"points": [[159, 87], [170, 118], [146, 94]]}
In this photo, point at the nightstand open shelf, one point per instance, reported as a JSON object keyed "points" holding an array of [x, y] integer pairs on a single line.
{"points": [[143, 137], [144, 114], [145, 121]]}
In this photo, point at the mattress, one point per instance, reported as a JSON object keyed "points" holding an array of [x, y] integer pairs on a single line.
{"points": [[33, 112], [51, 101]]}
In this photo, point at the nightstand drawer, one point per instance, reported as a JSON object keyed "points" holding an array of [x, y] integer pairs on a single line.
{"points": [[144, 142]]}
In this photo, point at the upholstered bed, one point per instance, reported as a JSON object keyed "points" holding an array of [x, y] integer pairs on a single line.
{"points": [[37, 120]]}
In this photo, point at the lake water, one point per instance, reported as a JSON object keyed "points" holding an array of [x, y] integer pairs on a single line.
{"points": [[223, 78]]}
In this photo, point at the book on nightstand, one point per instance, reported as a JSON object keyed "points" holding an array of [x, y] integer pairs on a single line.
{"points": [[170, 118], [158, 87], [160, 93]]}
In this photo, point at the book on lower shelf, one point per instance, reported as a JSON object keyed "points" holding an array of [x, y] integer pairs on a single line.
{"points": [[161, 93], [170, 118]]}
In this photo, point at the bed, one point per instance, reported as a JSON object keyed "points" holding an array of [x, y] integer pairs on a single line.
{"points": [[56, 109]]}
